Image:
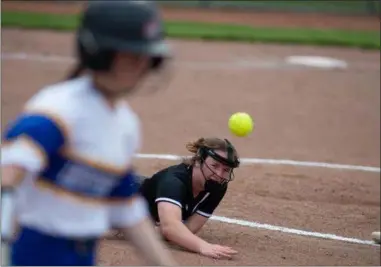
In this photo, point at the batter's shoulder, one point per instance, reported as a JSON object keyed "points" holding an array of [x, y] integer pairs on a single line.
{"points": [[60, 102], [130, 122], [127, 114]]}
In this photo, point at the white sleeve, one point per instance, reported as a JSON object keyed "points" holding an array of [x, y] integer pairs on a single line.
{"points": [[39, 132], [25, 153], [138, 135], [133, 209]]}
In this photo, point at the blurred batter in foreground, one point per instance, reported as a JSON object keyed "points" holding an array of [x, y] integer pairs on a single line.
{"points": [[66, 160]]}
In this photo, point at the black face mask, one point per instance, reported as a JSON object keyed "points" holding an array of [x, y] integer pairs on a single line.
{"points": [[211, 185]]}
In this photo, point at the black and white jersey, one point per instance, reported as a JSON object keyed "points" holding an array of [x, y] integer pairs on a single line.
{"points": [[174, 185]]}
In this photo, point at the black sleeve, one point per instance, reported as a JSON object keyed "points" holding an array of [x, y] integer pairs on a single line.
{"points": [[171, 189], [207, 207]]}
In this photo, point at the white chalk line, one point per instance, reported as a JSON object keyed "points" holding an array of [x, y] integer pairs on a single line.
{"points": [[233, 64], [252, 161], [61, 59], [229, 65], [292, 231]]}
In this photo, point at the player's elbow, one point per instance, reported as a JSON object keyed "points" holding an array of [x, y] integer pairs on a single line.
{"points": [[165, 230], [168, 229], [170, 220]]}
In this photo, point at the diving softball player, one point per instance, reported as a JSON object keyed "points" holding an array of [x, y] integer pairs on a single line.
{"points": [[66, 160], [182, 197]]}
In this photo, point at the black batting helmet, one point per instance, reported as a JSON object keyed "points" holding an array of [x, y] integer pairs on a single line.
{"points": [[120, 26]]}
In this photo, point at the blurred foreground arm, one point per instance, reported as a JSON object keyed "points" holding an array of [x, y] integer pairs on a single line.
{"points": [[132, 217], [26, 147], [10, 177], [144, 236]]}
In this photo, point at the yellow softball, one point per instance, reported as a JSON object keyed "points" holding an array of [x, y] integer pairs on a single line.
{"points": [[241, 124]]}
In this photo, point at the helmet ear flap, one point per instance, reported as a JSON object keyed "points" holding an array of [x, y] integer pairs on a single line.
{"points": [[86, 39], [99, 61], [90, 54]]}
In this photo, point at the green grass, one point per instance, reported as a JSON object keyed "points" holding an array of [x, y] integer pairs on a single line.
{"points": [[330, 6], [209, 31]]}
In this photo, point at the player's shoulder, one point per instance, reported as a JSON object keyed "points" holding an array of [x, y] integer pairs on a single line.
{"points": [[176, 174], [181, 170], [59, 100], [127, 116], [167, 181], [130, 123]]}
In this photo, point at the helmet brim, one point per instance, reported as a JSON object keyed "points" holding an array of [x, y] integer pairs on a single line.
{"points": [[154, 48], [159, 48]]}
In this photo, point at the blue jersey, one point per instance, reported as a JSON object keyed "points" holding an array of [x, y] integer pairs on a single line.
{"points": [[77, 151]]}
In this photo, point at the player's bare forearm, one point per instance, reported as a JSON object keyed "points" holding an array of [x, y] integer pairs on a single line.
{"points": [[179, 234], [147, 240], [196, 222]]}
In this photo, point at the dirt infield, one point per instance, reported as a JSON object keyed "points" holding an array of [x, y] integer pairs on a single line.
{"points": [[302, 114]]}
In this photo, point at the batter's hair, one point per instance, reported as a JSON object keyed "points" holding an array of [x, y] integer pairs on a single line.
{"points": [[210, 143], [77, 71]]}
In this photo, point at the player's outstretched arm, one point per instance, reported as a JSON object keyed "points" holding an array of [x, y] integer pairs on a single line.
{"points": [[174, 230], [196, 222]]}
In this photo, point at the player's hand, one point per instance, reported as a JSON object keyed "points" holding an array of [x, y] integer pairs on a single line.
{"points": [[217, 251], [5, 254]]}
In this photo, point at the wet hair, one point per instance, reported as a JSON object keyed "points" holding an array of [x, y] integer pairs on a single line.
{"points": [[210, 144]]}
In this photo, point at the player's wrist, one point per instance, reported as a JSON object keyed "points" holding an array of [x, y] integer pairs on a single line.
{"points": [[202, 246], [7, 213]]}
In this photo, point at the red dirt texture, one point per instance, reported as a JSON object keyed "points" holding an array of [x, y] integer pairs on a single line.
{"points": [[300, 113]]}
